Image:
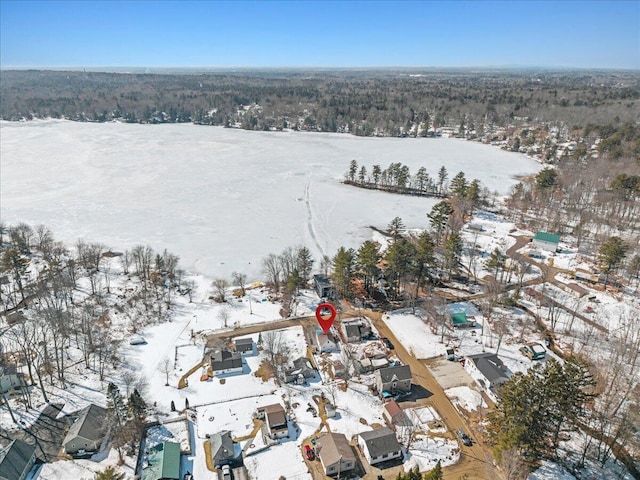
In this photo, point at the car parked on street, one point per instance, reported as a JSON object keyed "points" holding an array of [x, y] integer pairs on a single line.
{"points": [[464, 437], [309, 453]]}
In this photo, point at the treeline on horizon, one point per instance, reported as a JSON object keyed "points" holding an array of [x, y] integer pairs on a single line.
{"points": [[370, 102]]}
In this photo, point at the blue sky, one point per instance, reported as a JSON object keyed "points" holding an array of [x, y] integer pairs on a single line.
{"points": [[587, 34]]}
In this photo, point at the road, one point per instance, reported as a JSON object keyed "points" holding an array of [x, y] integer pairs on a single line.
{"points": [[476, 461]]}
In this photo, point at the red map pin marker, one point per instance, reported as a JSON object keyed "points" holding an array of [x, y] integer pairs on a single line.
{"points": [[325, 323]]}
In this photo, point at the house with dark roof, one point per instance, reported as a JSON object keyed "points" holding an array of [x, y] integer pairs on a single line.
{"points": [[335, 454], [16, 460], [488, 371], [224, 451], [275, 420], [163, 462], [244, 346], [226, 362], [300, 371], [87, 433], [379, 445], [323, 286], [393, 380], [395, 416], [355, 330], [546, 241]]}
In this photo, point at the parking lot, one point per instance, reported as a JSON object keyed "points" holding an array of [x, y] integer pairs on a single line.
{"points": [[448, 374]]}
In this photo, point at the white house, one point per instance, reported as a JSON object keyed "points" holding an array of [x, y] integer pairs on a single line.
{"points": [[326, 342], [11, 379], [275, 420], [335, 454], [379, 445], [224, 362]]}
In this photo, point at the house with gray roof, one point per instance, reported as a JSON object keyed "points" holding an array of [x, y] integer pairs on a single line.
{"points": [[323, 286], [393, 380], [488, 371], [355, 330], [379, 445], [300, 370], [224, 451], [226, 362], [16, 460], [87, 433], [244, 346], [335, 454]]}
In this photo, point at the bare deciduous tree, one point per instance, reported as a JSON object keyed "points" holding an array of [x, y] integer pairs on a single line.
{"points": [[165, 367], [220, 286], [240, 279]]}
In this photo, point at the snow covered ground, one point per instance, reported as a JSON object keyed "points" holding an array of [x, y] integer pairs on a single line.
{"points": [[221, 199]]}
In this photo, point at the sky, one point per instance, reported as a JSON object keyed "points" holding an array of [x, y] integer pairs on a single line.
{"points": [[574, 34]]}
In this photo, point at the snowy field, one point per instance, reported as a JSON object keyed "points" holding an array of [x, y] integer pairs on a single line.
{"points": [[221, 199]]}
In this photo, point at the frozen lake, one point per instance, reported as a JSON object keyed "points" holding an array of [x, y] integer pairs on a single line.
{"points": [[221, 199]]}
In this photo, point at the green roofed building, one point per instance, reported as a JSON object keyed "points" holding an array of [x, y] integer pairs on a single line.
{"points": [[163, 462], [546, 241], [460, 320]]}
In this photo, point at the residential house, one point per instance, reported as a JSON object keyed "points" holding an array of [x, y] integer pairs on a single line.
{"points": [[275, 420], [339, 369], [546, 241], [393, 380], [300, 371], [244, 346], [355, 330], [327, 342], [11, 379], [323, 286], [488, 371], [369, 364], [335, 454], [16, 460], [224, 451], [379, 445], [460, 320], [226, 362], [87, 433], [395, 416], [163, 462]]}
